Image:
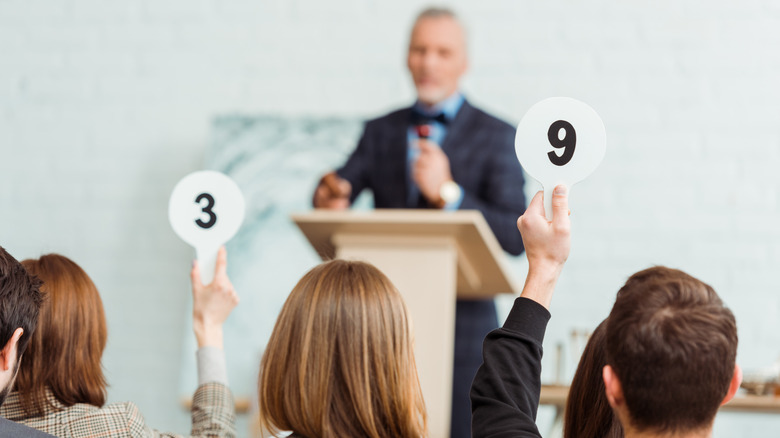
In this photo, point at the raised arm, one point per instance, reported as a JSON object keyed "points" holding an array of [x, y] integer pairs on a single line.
{"points": [[212, 303], [213, 410], [505, 392]]}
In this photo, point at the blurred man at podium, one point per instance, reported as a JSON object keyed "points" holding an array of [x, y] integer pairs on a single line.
{"points": [[440, 153]]}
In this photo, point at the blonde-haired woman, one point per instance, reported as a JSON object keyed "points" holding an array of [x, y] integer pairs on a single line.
{"points": [[340, 360]]}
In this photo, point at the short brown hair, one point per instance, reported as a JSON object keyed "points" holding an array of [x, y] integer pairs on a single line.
{"points": [[672, 344], [20, 301], [588, 413], [66, 350], [340, 361]]}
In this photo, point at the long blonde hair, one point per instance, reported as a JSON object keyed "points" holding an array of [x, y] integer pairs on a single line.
{"points": [[340, 361]]}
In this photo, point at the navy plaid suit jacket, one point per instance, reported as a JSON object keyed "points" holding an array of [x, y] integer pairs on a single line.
{"points": [[481, 150]]}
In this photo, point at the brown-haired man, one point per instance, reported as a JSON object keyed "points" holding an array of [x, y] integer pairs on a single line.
{"points": [[20, 302], [671, 346], [671, 352]]}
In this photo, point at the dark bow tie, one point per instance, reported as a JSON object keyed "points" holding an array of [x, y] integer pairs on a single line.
{"points": [[420, 118]]}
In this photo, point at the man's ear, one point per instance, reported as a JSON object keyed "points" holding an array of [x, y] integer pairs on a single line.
{"points": [[736, 380], [613, 388], [9, 351]]}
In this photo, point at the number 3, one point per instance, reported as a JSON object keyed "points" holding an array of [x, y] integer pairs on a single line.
{"points": [[207, 209], [567, 143]]}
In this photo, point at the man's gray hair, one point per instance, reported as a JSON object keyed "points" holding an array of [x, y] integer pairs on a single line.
{"points": [[441, 12], [436, 12]]}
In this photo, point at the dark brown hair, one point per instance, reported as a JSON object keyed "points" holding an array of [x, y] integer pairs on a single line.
{"points": [[65, 352], [340, 361], [672, 344], [588, 413], [20, 301]]}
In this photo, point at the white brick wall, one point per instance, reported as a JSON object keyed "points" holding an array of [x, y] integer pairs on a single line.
{"points": [[105, 105]]}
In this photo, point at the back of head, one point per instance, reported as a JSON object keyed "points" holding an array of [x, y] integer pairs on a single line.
{"points": [[672, 344], [66, 350], [340, 360], [588, 413], [20, 301]]}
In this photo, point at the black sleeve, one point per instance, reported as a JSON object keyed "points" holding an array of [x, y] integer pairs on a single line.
{"points": [[501, 199], [505, 392], [358, 166]]}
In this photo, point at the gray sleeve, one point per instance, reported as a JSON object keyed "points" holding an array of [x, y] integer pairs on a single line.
{"points": [[211, 365]]}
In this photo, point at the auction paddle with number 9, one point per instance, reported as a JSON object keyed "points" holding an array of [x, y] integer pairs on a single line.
{"points": [[560, 140], [206, 210]]}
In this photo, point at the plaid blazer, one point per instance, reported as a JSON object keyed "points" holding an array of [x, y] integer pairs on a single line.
{"points": [[213, 415]]}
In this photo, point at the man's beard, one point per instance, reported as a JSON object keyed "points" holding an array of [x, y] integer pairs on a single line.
{"points": [[431, 95], [7, 389]]}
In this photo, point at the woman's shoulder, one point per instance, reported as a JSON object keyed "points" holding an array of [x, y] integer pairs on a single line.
{"points": [[115, 419]]}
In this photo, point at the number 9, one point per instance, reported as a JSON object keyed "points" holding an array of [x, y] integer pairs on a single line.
{"points": [[568, 142]]}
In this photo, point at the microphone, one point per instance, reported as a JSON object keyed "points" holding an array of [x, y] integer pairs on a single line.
{"points": [[424, 123], [423, 131]]}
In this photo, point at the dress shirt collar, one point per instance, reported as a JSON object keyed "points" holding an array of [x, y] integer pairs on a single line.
{"points": [[449, 106]]}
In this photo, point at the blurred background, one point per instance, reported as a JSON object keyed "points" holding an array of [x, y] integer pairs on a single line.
{"points": [[104, 106]]}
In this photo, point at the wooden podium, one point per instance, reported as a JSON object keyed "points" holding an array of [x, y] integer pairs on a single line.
{"points": [[432, 257]]}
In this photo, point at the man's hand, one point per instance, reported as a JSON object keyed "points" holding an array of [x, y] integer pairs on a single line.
{"points": [[212, 304], [332, 192], [547, 244], [431, 170]]}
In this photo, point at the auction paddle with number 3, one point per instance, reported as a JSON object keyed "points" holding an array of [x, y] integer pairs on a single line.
{"points": [[206, 210]]}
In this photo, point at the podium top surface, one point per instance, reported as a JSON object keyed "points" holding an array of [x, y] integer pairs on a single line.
{"points": [[481, 270]]}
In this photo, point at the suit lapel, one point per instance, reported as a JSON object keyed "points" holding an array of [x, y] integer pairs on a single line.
{"points": [[457, 129], [398, 145]]}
